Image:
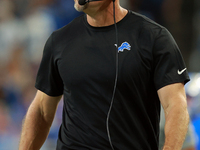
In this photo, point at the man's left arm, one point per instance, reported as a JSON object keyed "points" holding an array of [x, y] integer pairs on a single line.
{"points": [[173, 100]]}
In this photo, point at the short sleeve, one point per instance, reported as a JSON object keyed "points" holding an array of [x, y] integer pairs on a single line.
{"points": [[48, 79], [169, 66]]}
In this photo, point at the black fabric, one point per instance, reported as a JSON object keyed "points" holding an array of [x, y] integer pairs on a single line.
{"points": [[79, 62]]}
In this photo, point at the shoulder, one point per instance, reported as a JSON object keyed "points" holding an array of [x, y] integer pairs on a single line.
{"points": [[145, 30], [145, 24], [59, 38]]}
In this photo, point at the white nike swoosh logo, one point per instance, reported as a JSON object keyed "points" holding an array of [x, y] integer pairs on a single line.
{"points": [[180, 72]]}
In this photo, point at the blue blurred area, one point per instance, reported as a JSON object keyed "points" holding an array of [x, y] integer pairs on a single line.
{"points": [[63, 12], [25, 26], [193, 99], [196, 123]]}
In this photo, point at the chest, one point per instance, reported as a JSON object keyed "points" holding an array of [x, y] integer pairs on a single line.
{"points": [[93, 58]]}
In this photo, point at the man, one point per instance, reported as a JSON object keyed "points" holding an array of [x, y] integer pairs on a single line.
{"points": [[79, 62]]}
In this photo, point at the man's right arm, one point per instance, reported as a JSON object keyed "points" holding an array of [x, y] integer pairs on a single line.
{"points": [[38, 121]]}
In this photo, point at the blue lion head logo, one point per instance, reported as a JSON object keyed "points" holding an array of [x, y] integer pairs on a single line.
{"points": [[124, 46]]}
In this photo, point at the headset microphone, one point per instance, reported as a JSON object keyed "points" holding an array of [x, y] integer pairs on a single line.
{"points": [[83, 2], [116, 79]]}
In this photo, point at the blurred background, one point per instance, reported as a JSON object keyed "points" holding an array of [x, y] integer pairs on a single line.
{"points": [[25, 26]]}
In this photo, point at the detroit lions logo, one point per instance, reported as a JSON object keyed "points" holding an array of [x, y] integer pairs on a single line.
{"points": [[124, 46]]}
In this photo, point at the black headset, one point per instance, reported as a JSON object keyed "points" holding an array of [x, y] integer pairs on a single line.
{"points": [[83, 2]]}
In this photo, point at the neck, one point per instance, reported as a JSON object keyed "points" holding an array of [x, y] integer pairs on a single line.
{"points": [[103, 15]]}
